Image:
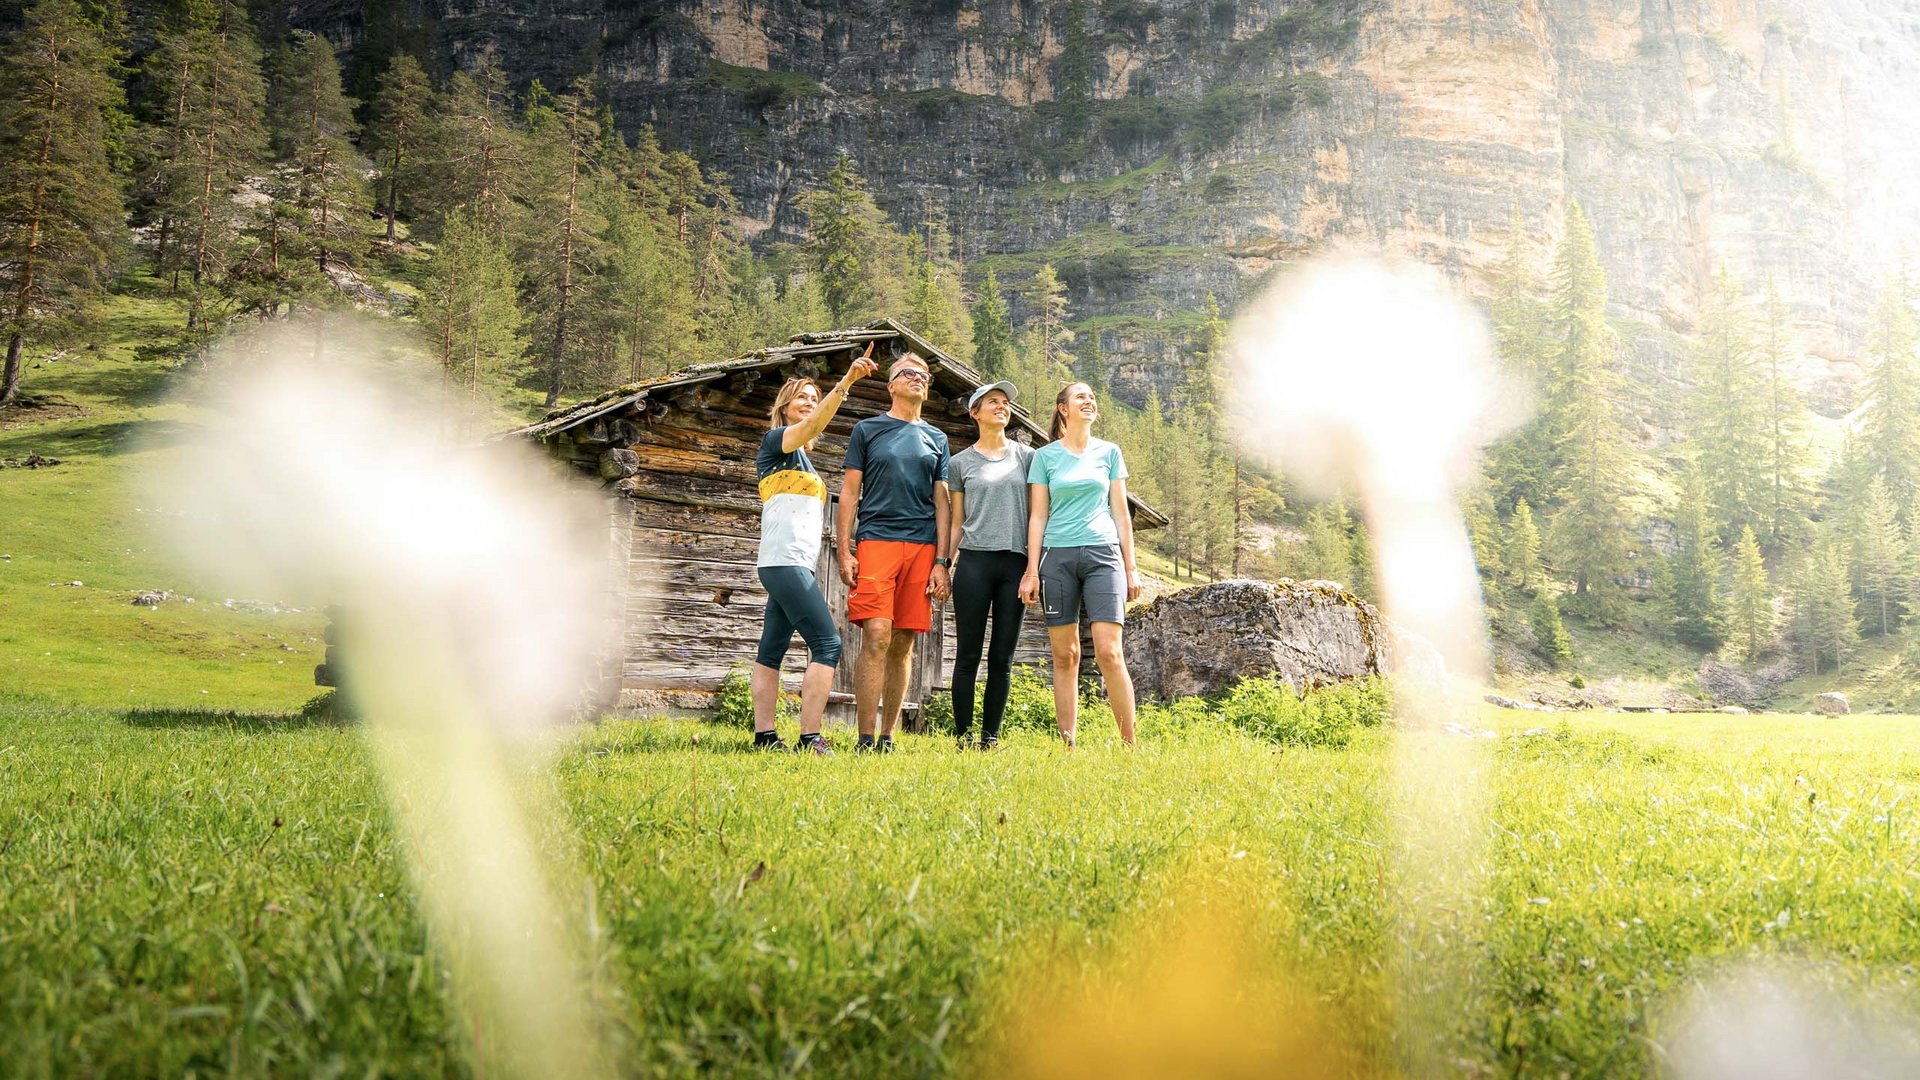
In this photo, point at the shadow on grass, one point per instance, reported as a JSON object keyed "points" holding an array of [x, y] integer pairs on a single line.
{"points": [[227, 719], [134, 384], [92, 440]]}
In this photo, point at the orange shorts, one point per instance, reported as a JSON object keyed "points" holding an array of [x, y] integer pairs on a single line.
{"points": [[892, 584]]}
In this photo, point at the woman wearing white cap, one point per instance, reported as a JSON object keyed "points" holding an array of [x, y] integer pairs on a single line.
{"points": [[988, 494]]}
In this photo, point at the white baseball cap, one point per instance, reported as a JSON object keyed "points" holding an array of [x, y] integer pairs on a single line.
{"points": [[1007, 388]]}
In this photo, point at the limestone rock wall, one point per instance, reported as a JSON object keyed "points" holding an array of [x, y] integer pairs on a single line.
{"points": [[1158, 150]]}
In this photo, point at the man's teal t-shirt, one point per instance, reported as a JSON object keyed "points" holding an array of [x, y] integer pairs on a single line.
{"points": [[1078, 489], [899, 462]]}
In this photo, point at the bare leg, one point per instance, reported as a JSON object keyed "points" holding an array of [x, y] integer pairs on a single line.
{"points": [[899, 667], [1112, 660], [1066, 677], [764, 688], [814, 689], [870, 672]]}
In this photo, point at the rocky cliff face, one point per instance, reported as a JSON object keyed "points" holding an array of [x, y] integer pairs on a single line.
{"points": [[1158, 150]]}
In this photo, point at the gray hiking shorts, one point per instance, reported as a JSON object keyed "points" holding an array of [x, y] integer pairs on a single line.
{"points": [[1093, 576]]}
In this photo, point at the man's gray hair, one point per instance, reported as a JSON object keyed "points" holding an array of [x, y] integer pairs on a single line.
{"points": [[908, 357]]}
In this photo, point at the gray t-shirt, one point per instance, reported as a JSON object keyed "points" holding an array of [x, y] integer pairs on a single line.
{"points": [[996, 498]]}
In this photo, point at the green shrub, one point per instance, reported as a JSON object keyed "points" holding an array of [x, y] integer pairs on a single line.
{"points": [[1269, 709], [1153, 723], [1029, 701], [733, 702], [937, 710]]}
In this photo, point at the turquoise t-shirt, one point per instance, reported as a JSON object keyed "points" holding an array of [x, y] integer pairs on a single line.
{"points": [[1078, 489]]}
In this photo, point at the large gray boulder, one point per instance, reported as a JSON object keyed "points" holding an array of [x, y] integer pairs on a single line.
{"points": [[1206, 638], [1750, 688], [1833, 703]]}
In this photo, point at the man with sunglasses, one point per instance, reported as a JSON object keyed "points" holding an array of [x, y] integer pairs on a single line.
{"points": [[893, 509]]}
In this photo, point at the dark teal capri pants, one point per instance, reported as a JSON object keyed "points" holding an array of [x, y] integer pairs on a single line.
{"points": [[794, 603]]}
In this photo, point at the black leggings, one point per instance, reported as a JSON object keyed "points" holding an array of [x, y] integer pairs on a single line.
{"points": [[985, 583]]}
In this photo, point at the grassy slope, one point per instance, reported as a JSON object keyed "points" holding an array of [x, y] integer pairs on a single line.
{"points": [[193, 891], [91, 520], [112, 413]]}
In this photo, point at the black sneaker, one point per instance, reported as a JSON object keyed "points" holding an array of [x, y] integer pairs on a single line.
{"points": [[774, 745], [865, 745], [884, 746]]}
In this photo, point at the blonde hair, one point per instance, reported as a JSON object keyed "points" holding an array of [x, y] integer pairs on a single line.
{"points": [[778, 414]]}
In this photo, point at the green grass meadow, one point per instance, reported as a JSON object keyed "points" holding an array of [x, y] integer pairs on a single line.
{"points": [[198, 893], [200, 878]]}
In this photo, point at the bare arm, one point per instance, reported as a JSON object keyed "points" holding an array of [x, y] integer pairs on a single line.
{"points": [[940, 580], [798, 435], [950, 530], [1036, 531], [1123, 525], [843, 524]]}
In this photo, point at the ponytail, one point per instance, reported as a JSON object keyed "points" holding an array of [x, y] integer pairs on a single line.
{"points": [[1058, 426]]}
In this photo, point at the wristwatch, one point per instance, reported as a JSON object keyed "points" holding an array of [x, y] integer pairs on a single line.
{"points": [[943, 561]]}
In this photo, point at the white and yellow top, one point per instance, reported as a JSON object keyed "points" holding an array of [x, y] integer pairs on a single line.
{"points": [[793, 505]]}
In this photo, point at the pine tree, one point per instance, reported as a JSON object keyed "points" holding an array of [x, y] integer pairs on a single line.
{"points": [[1048, 363], [1751, 616], [1786, 450], [712, 252], [60, 204], [936, 298], [1523, 547], [1697, 607], [1729, 413], [1521, 464], [1592, 525], [1890, 430], [1329, 549], [473, 155], [1879, 555], [1488, 543], [163, 168], [225, 121], [784, 300], [469, 306], [320, 176], [1549, 631], [1203, 391], [400, 107], [563, 248], [926, 305], [993, 332], [1823, 623], [856, 255]]}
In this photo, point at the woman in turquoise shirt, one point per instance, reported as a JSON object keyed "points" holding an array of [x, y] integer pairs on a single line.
{"points": [[1080, 554]]}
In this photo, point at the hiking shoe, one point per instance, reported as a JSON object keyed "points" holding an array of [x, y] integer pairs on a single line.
{"points": [[884, 745], [774, 745], [816, 747], [865, 746]]}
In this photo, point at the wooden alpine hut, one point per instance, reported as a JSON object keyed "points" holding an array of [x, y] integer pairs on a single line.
{"points": [[676, 457]]}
